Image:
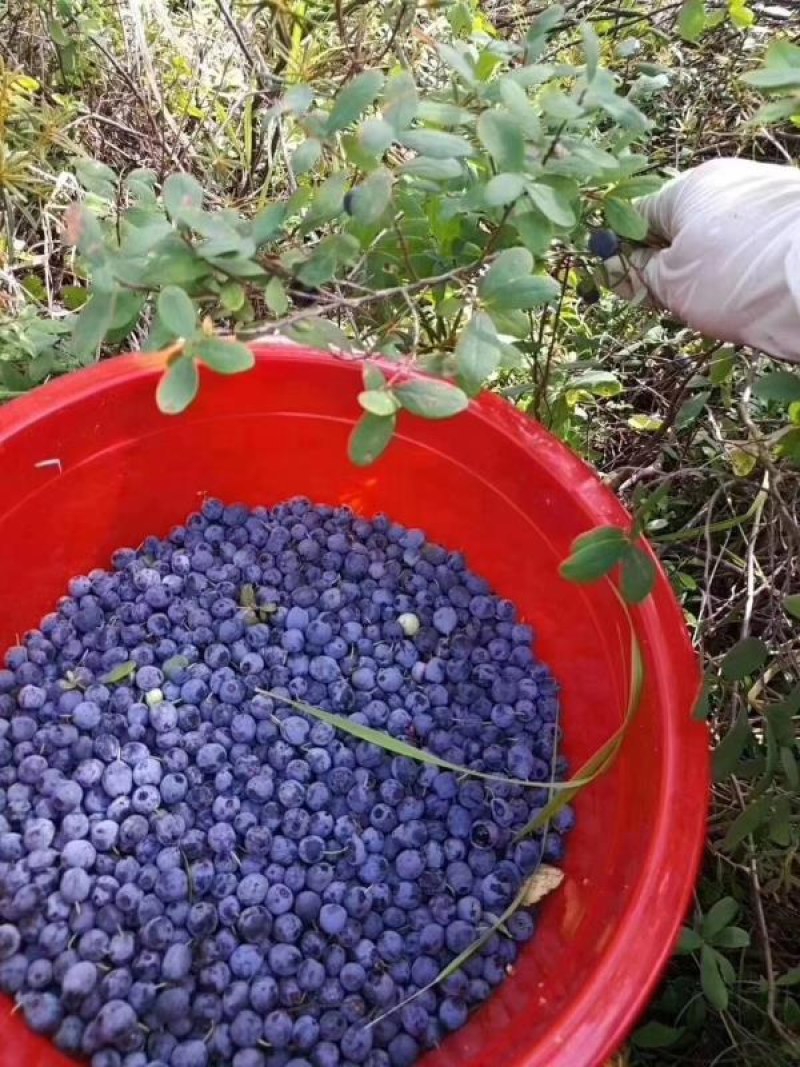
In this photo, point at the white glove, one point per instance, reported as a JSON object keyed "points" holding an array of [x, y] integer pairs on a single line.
{"points": [[732, 266]]}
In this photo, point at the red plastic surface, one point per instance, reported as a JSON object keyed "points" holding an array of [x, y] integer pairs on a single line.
{"points": [[89, 464]]}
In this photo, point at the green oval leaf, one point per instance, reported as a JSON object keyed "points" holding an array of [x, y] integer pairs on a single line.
{"points": [[306, 156], [500, 134], [177, 312], [552, 203], [624, 219], [181, 192], [401, 100], [477, 350], [729, 750], [275, 296], [782, 386], [594, 555], [225, 357], [431, 399], [746, 657], [504, 189], [638, 575], [791, 605], [719, 916], [353, 99], [370, 438], [370, 199], [732, 937], [178, 386], [746, 823], [375, 136], [378, 402], [690, 941], [714, 987], [91, 326], [656, 1035], [232, 296], [437, 144]]}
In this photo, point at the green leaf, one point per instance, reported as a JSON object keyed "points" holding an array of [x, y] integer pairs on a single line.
{"points": [[181, 192], [791, 978], [740, 14], [714, 988], [692, 20], [477, 352], [508, 284], [460, 63], [729, 750], [232, 296], [306, 156], [721, 914], [268, 223], [375, 136], [624, 219], [594, 555], [597, 382], [379, 402], [782, 386], [437, 144], [222, 356], [638, 575], [172, 262], [354, 99], [91, 326], [401, 102], [639, 185], [690, 410], [732, 937], [745, 658], [591, 49], [178, 386], [654, 1035], [520, 107], [275, 296], [552, 203], [746, 823], [370, 200], [791, 605], [97, 178], [177, 312], [327, 256], [438, 113], [373, 377], [437, 170], [777, 78], [690, 941], [431, 398], [500, 134], [119, 673], [370, 438], [504, 189]]}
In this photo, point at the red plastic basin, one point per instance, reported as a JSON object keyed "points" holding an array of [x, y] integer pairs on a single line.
{"points": [[89, 464]]}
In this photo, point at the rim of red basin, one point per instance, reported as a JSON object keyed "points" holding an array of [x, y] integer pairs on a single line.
{"points": [[594, 1024]]}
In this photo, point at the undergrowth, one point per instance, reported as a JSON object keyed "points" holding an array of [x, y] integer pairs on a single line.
{"points": [[420, 180]]}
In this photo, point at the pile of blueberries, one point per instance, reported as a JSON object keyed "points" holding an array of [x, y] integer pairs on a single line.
{"points": [[194, 871]]}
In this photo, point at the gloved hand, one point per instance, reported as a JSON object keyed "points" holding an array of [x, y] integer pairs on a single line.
{"points": [[731, 265]]}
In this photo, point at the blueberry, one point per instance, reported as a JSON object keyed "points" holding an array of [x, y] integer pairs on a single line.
{"points": [[603, 243]]}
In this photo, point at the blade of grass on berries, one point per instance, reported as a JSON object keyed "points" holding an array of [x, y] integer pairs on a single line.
{"points": [[401, 748], [603, 758], [458, 962]]}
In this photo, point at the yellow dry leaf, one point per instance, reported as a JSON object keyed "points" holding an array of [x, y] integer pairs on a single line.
{"points": [[544, 881]]}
